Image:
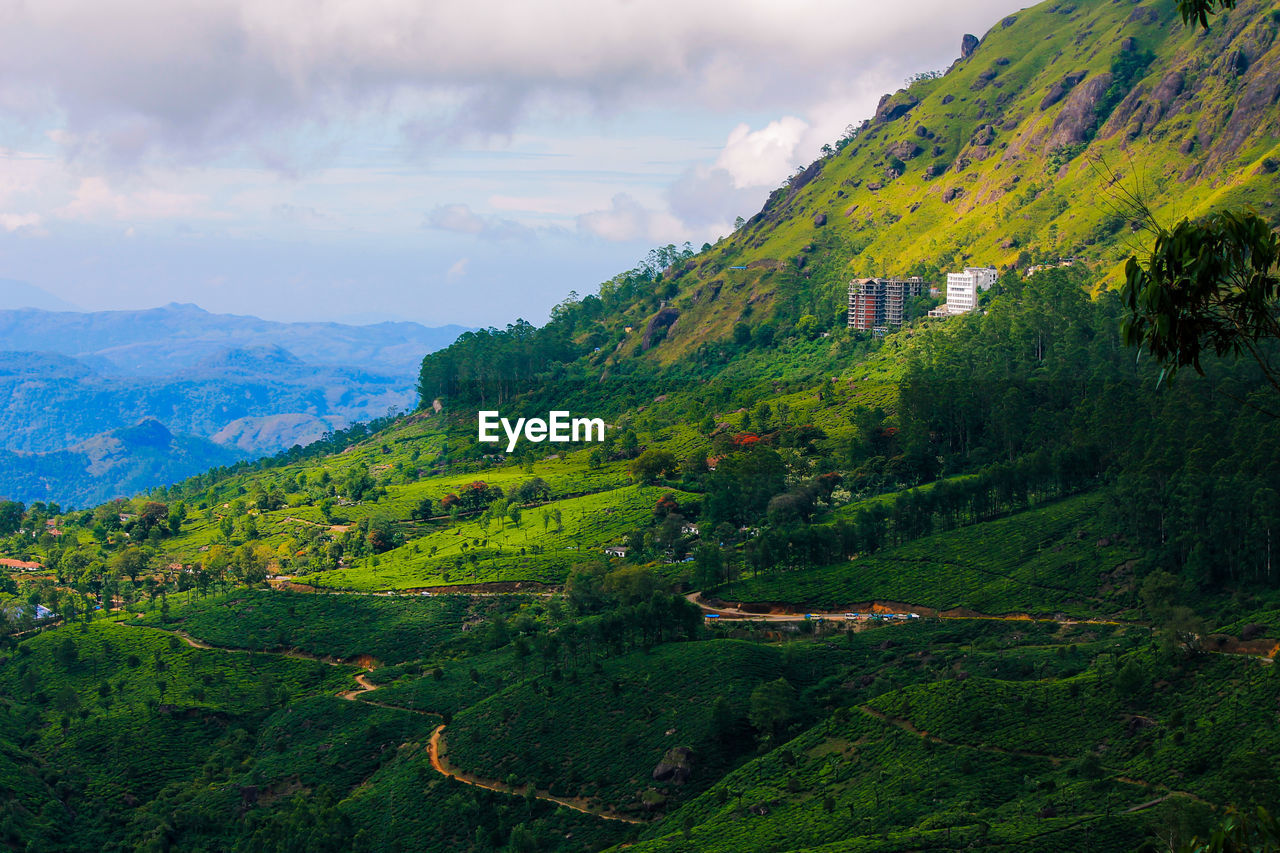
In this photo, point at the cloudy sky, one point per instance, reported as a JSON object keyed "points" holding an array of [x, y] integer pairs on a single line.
{"points": [[428, 160]]}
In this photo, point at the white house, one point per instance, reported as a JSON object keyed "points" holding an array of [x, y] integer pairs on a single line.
{"points": [[616, 551], [963, 289]]}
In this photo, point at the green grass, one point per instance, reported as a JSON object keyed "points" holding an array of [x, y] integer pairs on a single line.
{"points": [[390, 629], [1043, 764], [1045, 560], [505, 552], [461, 682], [600, 734]]}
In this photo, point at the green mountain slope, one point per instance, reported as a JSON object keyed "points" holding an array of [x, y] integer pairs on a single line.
{"points": [[535, 687], [1027, 151]]}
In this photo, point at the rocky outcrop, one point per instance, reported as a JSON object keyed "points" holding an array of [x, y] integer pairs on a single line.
{"points": [[657, 327], [895, 106], [984, 135], [675, 767], [904, 150], [1255, 108], [1059, 90], [1079, 114], [1170, 87], [981, 81], [968, 45]]}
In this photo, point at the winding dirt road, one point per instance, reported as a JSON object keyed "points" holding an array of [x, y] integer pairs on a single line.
{"points": [[435, 750], [441, 766], [787, 613]]}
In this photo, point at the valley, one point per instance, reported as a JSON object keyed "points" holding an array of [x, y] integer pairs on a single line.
{"points": [[827, 581]]}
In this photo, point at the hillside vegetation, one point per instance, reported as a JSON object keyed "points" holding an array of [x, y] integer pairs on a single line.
{"points": [[403, 636]]}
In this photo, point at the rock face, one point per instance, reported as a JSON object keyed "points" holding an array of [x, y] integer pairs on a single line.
{"points": [[676, 766], [658, 324], [1059, 90], [1261, 93], [1170, 87], [968, 45], [895, 106], [904, 150], [1078, 116]]}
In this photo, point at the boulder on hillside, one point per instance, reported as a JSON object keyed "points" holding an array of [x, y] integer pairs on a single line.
{"points": [[658, 325], [1059, 90], [983, 79], [819, 219], [895, 106], [676, 766], [1170, 87], [968, 45], [984, 135], [904, 150], [1079, 114]]}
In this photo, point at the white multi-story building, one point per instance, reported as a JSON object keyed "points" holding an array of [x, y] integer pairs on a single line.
{"points": [[963, 289]]}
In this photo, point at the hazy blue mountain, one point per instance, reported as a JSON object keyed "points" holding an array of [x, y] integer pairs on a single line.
{"points": [[176, 337], [117, 463], [21, 294], [239, 385]]}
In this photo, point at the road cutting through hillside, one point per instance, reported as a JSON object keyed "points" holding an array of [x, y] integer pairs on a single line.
{"points": [[783, 613], [366, 662], [578, 804], [365, 686]]}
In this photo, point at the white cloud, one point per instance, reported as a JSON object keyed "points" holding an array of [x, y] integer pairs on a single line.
{"points": [[94, 199], [458, 269], [627, 220], [762, 157], [460, 218], [19, 221], [139, 77]]}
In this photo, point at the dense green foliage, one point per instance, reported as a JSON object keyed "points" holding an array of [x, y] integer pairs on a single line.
{"points": [[1011, 463]]}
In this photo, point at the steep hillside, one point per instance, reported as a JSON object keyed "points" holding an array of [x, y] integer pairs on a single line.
{"points": [[989, 582], [1025, 151]]}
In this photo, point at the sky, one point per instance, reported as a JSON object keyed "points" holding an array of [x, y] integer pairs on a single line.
{"points": [[441, 162]]}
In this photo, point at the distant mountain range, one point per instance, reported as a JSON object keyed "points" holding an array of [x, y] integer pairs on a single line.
{"points": [[122, 461], [216, 388], [178, 337]]}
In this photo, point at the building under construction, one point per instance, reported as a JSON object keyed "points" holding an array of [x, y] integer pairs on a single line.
{"points": [[877, 303]]}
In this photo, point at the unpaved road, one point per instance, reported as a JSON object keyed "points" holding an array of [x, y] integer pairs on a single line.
{"points": [[438, 763], [441, 766]]}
